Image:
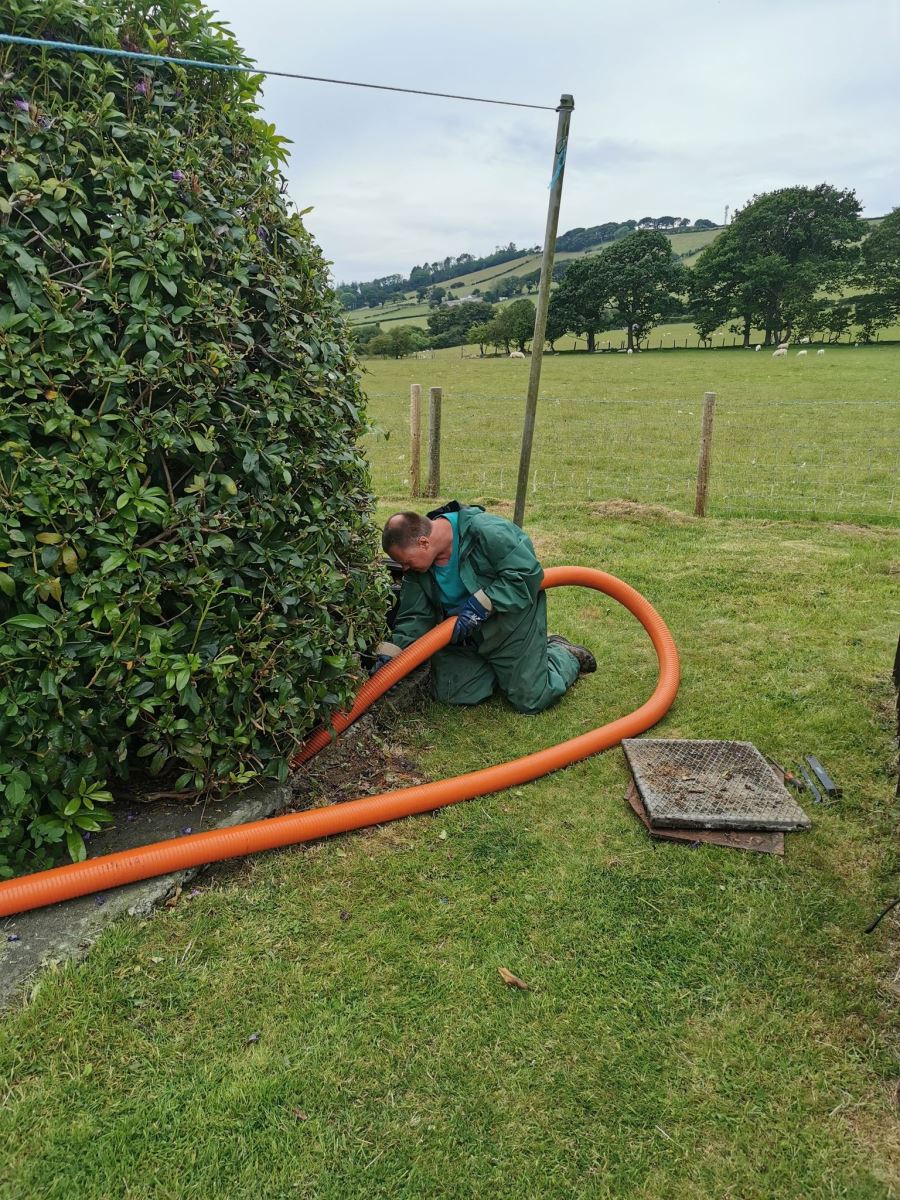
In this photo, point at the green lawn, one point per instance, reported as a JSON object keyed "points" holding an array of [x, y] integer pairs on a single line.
{"points": [[700, 1023]]}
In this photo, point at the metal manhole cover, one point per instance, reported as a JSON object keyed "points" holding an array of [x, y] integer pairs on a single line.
{"points": [[710, 785]]}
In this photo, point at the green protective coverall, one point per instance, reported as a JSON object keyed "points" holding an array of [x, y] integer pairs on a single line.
{"points": [[498, 565]]}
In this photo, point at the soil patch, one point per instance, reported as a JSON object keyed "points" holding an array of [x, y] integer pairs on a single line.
{"points": [[628, 510]]}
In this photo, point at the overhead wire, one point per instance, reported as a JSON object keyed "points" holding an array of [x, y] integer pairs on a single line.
{"points": [[140, 56]]}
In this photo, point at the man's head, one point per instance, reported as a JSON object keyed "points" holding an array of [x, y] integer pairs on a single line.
{"points": [[407, 539]]}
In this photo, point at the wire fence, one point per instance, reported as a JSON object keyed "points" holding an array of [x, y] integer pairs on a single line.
{"points": [[770, 458]]}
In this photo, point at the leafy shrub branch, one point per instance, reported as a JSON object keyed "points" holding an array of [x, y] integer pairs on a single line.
{"points": [[186, 549]]}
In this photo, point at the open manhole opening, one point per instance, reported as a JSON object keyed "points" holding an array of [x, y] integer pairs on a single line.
{"points": [[689, 784]]}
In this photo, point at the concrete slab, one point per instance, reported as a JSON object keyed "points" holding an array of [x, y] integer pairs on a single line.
{"points": [[66, 931], [63, 931]]}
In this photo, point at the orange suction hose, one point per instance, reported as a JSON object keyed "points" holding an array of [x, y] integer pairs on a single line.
{"points": [[194, 850]]}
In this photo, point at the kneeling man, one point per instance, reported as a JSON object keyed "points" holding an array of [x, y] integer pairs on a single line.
{"points": [[462, 561]]}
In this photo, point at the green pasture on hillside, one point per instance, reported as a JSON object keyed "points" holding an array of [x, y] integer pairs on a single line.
{"points": [[411, 310], [796, 437], [681, 244]]}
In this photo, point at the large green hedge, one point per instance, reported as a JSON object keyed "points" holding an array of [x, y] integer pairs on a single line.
{"points": [[186, 549]]}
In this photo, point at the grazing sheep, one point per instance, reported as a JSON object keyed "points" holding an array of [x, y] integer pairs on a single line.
{"points": [[804, 341], [517, 354], [783, 345], [629, 352], [801, 353], [758, 346], [818, 352], [781, 352]]}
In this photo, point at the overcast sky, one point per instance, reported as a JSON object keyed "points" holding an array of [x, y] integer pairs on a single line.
{"points": [[679, 109]]}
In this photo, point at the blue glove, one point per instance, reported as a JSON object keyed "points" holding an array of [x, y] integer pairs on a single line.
{"points": [[470, 616], [381, 660]]}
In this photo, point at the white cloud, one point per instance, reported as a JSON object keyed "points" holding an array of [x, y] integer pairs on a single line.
{"points": [[678, 110]]}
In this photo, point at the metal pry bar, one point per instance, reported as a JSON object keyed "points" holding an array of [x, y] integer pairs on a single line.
{"points": [[814, 791], [828, 784]]}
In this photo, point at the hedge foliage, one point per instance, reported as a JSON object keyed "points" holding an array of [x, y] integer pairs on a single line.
{"points": [[187, 559]]}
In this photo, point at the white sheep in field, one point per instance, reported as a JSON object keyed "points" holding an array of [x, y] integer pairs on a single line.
{"points": [[804, 341], [629, 352], [758, 346], [818, 352], [517, 354], [781, 352], [801, 353]]}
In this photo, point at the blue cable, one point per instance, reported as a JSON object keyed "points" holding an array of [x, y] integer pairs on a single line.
{"points": [[42, 43], [116, 53]]}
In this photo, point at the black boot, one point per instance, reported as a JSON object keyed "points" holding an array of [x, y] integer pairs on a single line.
{"points": [[587, 664]]}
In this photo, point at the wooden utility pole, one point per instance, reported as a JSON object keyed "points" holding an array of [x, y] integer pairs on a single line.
{"points": [[415, 438], [709, 404], [434, 442], [566, 106]]}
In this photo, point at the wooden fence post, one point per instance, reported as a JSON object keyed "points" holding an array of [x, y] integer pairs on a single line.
{"points": [[415, 438], [434, 442], [709, 404]]}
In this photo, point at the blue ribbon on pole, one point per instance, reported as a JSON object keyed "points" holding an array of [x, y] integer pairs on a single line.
{"points": [[560, 163]]}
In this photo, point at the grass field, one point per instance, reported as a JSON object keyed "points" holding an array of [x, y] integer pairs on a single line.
{"points": [[793, 437], [329, 1022]]}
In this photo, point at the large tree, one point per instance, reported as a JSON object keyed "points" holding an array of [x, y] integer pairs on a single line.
{"points": [[557, 323], [579, 301], [638, 277], [450, 326], [481, 335], [718, 288], [780, 250], [398, 343], [517, 322]]}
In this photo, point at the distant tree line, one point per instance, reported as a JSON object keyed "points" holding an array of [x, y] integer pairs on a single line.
{"points": [[472, 322], [794, 262], [513, 285], [422, 279], [377, 292], [613, 231]]}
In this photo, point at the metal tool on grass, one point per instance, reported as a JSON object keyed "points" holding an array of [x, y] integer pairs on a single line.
{"points": [[813, 790], [788, 778], [830, 788]]}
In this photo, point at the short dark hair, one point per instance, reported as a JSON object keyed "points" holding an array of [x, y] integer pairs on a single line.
{"points": [[402, 529]]}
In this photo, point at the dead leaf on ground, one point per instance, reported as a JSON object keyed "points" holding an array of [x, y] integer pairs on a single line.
{"points": [[173, 900], [300, 1115], [512, 980]]}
